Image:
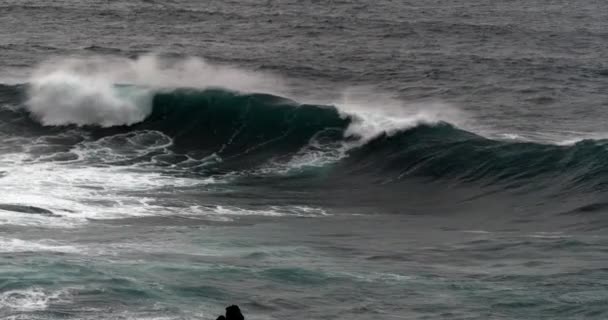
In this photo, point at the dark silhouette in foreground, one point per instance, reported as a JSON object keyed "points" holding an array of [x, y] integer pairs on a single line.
{"points": [[232, 313]]}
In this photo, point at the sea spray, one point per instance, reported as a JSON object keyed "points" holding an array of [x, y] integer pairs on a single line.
{"points": [[113, 91], [65, 97]]}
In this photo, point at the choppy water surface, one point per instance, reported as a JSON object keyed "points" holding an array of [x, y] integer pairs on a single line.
{"points": [[303, 159]]}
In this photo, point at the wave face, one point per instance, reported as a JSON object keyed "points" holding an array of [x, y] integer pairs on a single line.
{"points": [[252, 129], [229, 123], [216, 131], [446, 152]]}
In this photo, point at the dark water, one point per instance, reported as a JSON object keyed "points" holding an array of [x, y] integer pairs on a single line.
{"points": [[304, 159]]}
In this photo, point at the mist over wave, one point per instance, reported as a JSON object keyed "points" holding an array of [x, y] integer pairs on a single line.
{"points": [[63, 97], [113, 91], [88, 91]]}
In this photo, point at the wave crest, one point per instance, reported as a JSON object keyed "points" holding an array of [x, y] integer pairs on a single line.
{"points": [[63, 97]]}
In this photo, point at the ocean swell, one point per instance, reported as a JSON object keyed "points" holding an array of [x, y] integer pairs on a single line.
{"points": [[227, 132]]}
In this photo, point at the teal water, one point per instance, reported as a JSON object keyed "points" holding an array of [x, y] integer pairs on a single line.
{"points": [[179, 268], [303, 159]]}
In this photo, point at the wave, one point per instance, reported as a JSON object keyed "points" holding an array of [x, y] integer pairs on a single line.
{"points": [[447, 152], [265, 135]]}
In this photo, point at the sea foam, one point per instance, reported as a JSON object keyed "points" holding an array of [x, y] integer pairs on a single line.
{"points": [[113, 91]]}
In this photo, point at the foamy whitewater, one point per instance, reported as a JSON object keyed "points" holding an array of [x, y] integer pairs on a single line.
{"points": [[320, 160]]}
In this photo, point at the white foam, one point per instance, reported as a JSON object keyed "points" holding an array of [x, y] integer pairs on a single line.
{"points": [[477, 231], [375, 113], [79, 192], [123, 147], [580, 138], [65, 97], [549, 235], [512, 136], [272, 211], [83, 91], [315, 157], [316, 153], [18, 245], [375, 277], [32, 299]]}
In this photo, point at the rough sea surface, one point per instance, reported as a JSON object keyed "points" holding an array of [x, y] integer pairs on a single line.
{"points": [[304, 159]]}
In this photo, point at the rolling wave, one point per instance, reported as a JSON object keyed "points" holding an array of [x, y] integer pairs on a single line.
{"points": [[263, 134]]}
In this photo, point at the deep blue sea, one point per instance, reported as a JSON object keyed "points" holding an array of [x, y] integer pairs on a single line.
{"points": [[304, 159]]}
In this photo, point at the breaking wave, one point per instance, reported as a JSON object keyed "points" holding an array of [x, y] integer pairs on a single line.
{"points": [[148, 111]]}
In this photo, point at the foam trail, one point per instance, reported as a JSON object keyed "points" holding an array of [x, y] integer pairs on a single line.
{"points": [[18, 245]]}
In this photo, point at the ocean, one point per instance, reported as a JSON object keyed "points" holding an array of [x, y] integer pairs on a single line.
{"points": [[339, 159]]}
